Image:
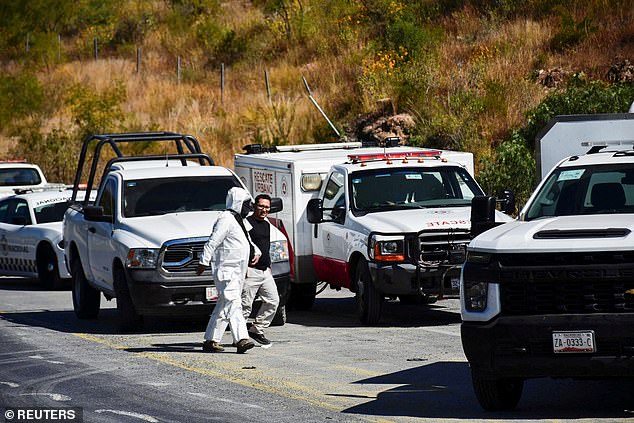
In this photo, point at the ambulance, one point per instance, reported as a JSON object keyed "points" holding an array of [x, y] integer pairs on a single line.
{"points": [[384, 222]]}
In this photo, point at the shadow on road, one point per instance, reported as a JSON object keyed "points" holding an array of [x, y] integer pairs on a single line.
{"points": [[342, 312], [443, 390], [106, 324]]}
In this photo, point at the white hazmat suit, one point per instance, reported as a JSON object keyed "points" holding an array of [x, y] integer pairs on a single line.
{"points": [[227, 251]]}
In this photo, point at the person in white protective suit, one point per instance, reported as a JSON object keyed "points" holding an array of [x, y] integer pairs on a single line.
{"points": [[229, 251]]}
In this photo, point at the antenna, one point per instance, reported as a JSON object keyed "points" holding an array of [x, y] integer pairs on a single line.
{"points": [[310, 96]]}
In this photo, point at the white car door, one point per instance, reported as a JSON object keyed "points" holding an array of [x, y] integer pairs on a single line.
{"points": [[330, 243], [100, 237], [15, 217]]}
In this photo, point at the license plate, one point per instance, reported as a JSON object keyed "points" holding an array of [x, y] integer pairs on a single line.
{"points": [[211, 293], [574, 342], [455, 283]]}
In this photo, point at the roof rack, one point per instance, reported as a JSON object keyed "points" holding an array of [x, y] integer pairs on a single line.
{"points": [[186, 147]]}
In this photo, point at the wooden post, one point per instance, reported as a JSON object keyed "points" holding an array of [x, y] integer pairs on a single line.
{"points": [[138, 59], [178, 69], [95, 48], [28, 41], [222, 82], [59, 47]]}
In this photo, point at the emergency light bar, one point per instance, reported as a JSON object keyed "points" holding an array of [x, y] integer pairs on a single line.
{"points": [[388, 156]]}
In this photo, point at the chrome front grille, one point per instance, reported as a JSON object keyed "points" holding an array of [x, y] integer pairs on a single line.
{"points": [[443, 246], [179, 256]]}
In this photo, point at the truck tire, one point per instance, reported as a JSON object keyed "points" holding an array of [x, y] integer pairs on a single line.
{"points": [[280, 316], [47, 268], [369, 300], [129, 319], [86, 299], [497, 394], [303, 295]]}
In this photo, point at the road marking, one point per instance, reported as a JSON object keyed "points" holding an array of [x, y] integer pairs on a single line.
{"points": [[53, 396], [139, 416], [309, 395], [39, 357], [242, 404], [10, 384]]}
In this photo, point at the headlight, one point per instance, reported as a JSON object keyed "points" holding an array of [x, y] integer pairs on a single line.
{"points": [[475, 296], [387, 248], [478, 257], [278, 251], [142, 258]]}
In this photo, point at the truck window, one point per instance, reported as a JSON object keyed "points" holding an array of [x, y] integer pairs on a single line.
{"points": [[107, 198], [149, 197], [19, 176], [53, 212], [588, 190], [385, 189]]}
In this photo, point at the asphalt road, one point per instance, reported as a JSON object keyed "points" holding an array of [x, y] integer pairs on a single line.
{"points": [[323, 366]]}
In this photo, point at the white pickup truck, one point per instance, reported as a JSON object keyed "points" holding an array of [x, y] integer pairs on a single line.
{"points": [[382, 222], [552, 293], [140, 240], [17, 177]]}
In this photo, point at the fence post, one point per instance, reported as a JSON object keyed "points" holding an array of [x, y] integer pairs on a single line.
{"points": [[28, 41], [222, 82], [59, 47], [95, 48], [178, 69], [138, 59], [268, 87]]}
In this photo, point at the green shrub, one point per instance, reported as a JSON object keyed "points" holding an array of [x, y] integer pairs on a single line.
{"points": [[512, 167], [20, 96]]}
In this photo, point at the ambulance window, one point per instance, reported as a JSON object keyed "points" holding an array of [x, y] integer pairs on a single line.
{"points": [[333, 195]]}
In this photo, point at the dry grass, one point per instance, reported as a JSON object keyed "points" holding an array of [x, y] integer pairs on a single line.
{"points": [[477, 51]]}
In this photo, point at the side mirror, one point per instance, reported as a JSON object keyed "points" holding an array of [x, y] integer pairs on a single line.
{"points": [[95, 214], [339, 214], [276, 205], [482, 214], [507, 200], [315, 211]]}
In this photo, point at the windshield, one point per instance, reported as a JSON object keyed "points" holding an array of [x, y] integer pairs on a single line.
{"points": [[389, 189], [148, 197], [51, 212], [19, 176], [606, 189]]}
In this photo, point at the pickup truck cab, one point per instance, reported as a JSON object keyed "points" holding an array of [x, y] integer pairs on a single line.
{"points": [[140, 240]]}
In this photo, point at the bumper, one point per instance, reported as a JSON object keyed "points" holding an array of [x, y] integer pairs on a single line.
{"points": [[169, 298], [523, 346], [408, 279]]}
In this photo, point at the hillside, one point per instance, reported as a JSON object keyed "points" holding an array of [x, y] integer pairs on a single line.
{"points": [[454, 74]]}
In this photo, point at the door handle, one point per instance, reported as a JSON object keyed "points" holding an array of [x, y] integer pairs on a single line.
{"points": [[92, 230]]}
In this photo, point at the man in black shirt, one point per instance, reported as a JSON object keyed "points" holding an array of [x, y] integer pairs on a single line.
{"points": [[259, 281]]}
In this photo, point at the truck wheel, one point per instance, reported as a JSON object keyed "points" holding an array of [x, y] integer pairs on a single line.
{"points": [[497, 394], [129, 319], [280, 316], [303, 295], [369, 299], [86, 299], [47, 269]]}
